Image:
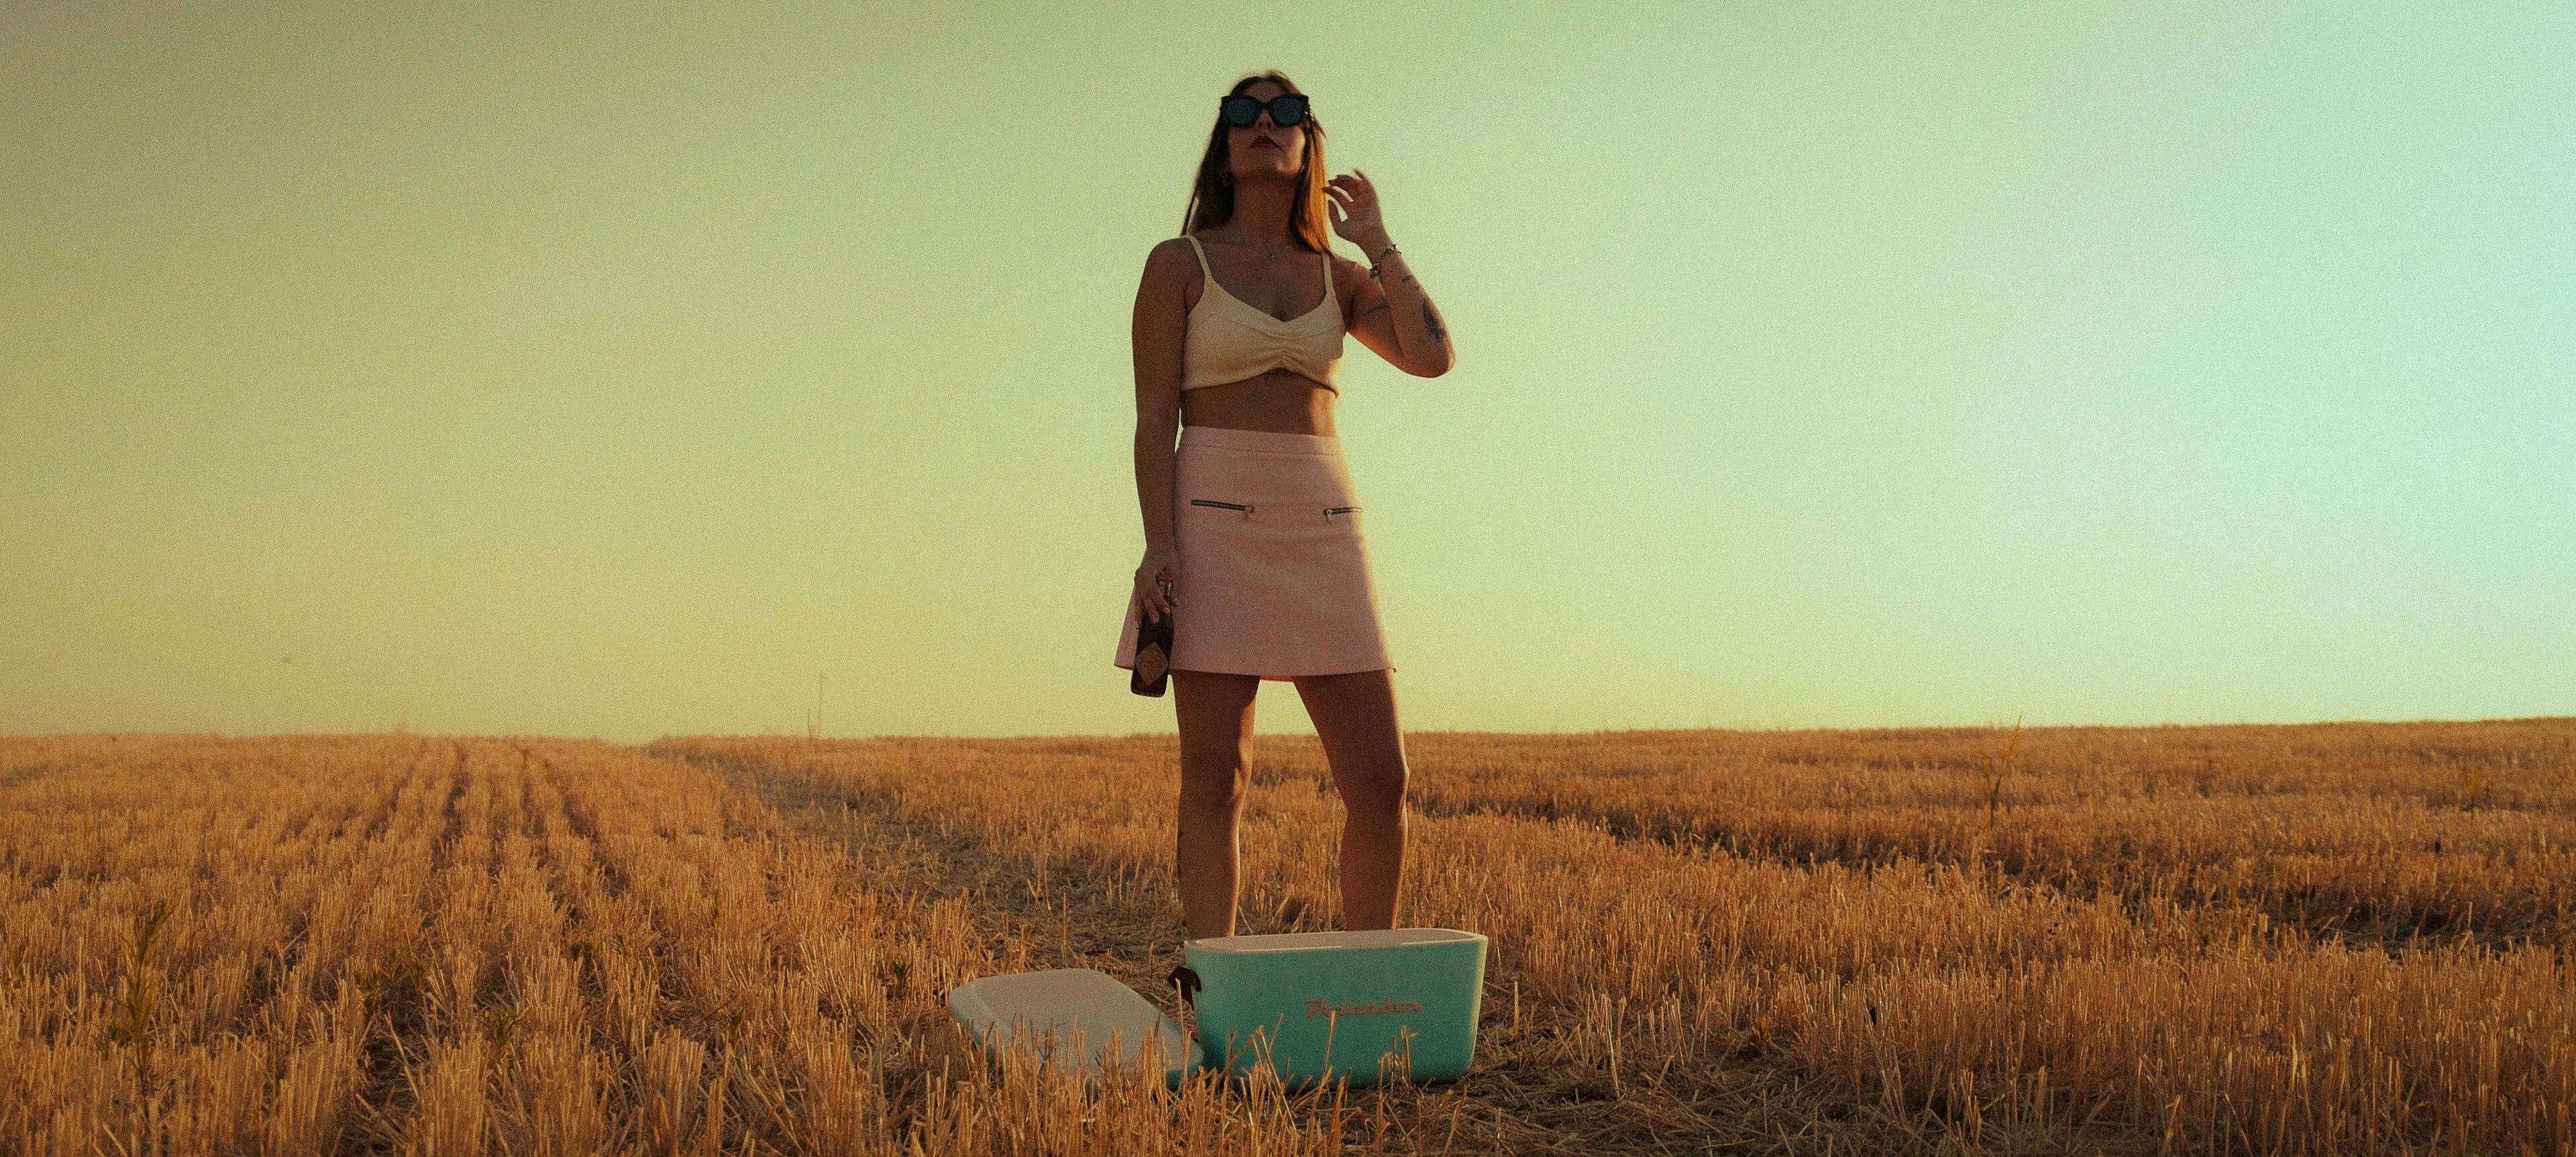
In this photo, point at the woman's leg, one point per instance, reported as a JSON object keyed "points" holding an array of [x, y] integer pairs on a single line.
{"points": [[1216, 725], [1354, 715]]}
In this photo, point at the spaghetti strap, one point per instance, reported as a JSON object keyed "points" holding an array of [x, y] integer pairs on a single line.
{"points": [[1203, 265]]}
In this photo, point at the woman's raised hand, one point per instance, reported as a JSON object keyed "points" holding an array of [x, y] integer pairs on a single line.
{"points": [[1353, 210]]}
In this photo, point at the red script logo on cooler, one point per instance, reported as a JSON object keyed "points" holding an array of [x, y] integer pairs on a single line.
{"points": [[1318, 1006]]}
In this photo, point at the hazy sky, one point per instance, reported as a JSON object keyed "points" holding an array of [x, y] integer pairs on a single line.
{"points": [[616, 370]]}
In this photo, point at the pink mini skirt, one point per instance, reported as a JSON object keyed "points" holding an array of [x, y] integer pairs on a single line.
{"points": [[1272, 565]]}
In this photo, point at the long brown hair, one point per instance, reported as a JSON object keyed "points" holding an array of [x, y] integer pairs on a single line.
{"points": [[1212, 198]]}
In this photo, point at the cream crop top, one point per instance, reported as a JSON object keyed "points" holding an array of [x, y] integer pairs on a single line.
{"points": [[1229, 341]]}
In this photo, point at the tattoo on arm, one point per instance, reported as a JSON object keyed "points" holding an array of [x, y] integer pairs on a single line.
{"points": [[1431, 321], [1373, 309]]}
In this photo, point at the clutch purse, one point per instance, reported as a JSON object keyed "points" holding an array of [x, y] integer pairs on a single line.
{"points": [[1153, 655]]}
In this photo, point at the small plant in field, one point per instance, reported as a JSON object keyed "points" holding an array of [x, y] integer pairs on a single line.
{"points": [[394, 987], [1993, 773], [2473, 783], [133, 1026], [500, 1025]]}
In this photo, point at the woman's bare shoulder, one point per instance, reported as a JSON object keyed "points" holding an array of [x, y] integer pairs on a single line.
{"points": [[1172, 260], [1172, 267]]}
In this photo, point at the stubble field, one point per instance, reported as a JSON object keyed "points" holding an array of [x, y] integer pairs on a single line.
{"points": [[2334, 938]]}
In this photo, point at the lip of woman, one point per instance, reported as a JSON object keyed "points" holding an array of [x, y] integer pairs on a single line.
{"points": [[1263, 143]]}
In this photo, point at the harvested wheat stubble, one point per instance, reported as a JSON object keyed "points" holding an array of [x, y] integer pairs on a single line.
{"points": [[1956, 996], [391, 943], [437, 946], [1524, 1097], [2374, 832]]}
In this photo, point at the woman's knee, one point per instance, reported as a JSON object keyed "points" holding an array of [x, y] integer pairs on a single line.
{"points": [[1377, 791], [1215, 790]]}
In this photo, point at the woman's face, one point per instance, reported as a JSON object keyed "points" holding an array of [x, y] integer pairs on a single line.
{"points": [[1265, 150]]}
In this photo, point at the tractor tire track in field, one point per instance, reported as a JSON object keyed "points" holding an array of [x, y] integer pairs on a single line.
{"points": [[1075, 913], [397, 990], [1068, 915]]}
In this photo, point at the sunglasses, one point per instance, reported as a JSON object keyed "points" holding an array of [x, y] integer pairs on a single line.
{"points": [[1287, 108]]}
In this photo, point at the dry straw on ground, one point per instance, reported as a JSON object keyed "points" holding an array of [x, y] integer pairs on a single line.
{"points": [[2340, 938]]}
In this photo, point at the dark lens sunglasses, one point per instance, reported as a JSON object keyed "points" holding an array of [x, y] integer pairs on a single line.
{"points": [[1287, 108]]}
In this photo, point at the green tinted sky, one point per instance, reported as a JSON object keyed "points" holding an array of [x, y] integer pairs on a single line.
{"points": [[615, 370]]}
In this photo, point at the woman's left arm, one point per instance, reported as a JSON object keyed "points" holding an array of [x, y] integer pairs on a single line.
{"points": [[1390, 313]]}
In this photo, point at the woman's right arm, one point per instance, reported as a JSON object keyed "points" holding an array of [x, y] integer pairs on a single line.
{"points": [[1161, 325]]}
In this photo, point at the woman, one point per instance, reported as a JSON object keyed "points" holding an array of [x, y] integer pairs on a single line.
{"points": [[1252, 532]]}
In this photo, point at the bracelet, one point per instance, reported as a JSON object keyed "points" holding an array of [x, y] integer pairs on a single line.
{"points": [[1381, 255]]}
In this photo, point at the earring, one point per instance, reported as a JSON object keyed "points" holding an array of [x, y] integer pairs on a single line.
{"points": [[1225, 178]]}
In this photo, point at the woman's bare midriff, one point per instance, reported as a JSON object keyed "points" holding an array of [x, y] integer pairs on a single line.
{"points": [[1282, 401]]}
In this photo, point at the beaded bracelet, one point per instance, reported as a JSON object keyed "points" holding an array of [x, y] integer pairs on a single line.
{"points": [[1381, 256]]}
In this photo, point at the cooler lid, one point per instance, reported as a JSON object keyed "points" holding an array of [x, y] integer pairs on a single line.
{"points": [[1067, 1004], [1308, 941]]}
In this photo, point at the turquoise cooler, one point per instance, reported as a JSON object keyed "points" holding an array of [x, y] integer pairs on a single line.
{"points": [[1365, 996]]}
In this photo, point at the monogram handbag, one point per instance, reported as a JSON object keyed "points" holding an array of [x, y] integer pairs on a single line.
{"points": [[1153, 655]]}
